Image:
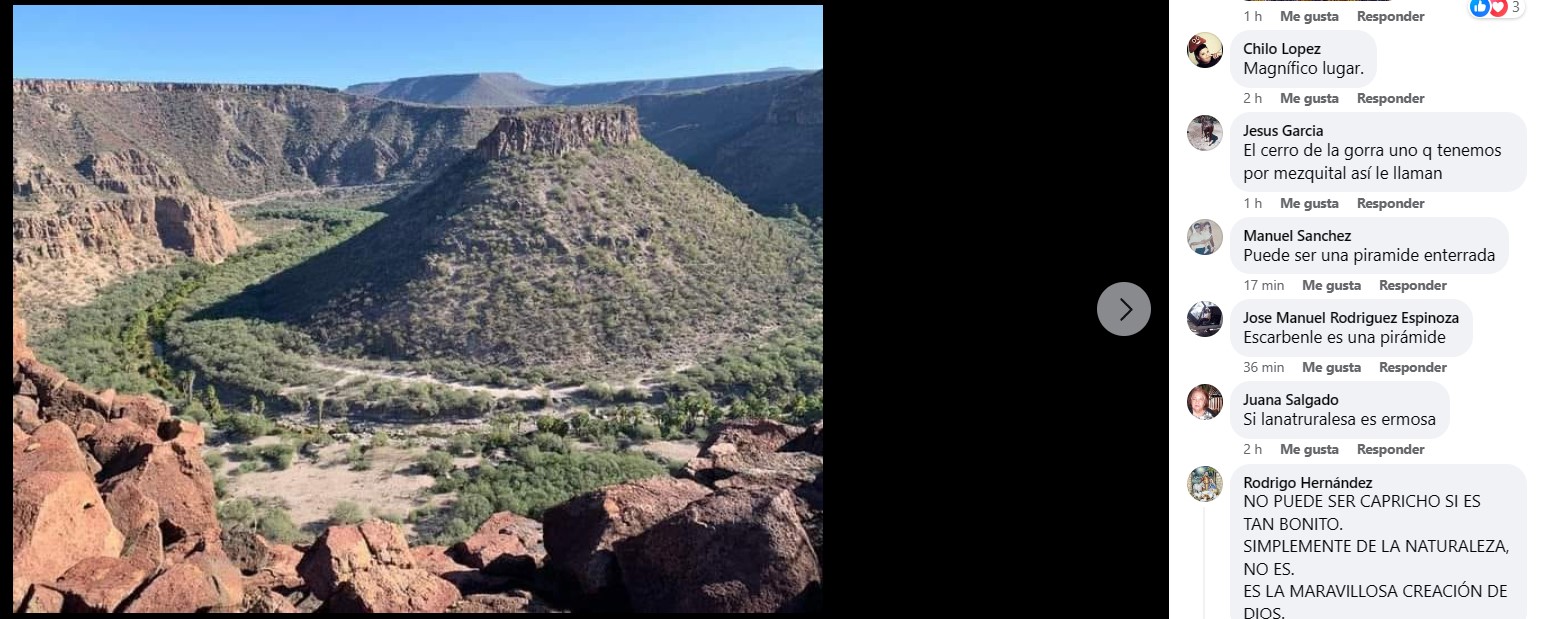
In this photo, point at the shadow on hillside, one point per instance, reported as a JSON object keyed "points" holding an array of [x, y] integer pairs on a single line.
{"points": [[378, 263]]}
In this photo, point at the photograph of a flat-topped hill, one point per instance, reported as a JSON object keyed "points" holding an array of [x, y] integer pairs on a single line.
{"points": [[538, 330]]}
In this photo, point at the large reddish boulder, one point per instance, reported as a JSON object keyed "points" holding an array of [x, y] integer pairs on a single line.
{"points": [[116, 440], [248, 550], [393, 590], [342, 552], [19, 587], [100, 584], [437, 560], [787, 469], [148, 411], [498, 546], [24, 411], [370, 569], [387, 544], [42, 379], [138, 518], [182, 588], [811, 440], [580, 534], [176, 478], [43, 599], [749, 435], [223, 576], [279, 571], [57, 519], [189, 433], [738, 551], [52, 447]]}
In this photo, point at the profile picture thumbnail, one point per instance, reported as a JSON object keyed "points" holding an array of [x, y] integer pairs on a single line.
{"points": [[1204, 402], [1205, 49], [1204, 237], [1205, 483], [1204, 132], [1204, 319]]}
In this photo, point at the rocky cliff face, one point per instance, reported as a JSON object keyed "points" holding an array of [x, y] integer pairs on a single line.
{"points": [[559, 132], [112, 177], [126, 233], [112, 505]]}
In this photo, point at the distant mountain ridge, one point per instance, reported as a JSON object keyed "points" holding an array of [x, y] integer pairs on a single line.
{"points": [[513, 90]]}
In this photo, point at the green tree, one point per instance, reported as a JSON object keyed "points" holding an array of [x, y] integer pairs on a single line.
{"points": [[212, 402]]}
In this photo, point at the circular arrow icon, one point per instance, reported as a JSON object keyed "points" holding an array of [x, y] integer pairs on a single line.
{"points": [[1479, 8], [1499, 8]]}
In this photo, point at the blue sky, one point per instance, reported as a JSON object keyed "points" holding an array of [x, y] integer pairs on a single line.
{"points": [[338, 46]]}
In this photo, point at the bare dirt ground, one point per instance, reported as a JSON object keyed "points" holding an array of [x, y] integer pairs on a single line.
{"points": [[647, 382], [317, 193], [390, 486], [415, 377], [680, 451]]}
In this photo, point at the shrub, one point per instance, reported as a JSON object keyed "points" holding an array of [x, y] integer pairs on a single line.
{"points": [[644, 432], [457, 529], [247, 426], [552, 425], [278, 456], [274, 523], [236, 514], [436, 463], [214, 460], [346, 512], [552, 443], [194, 410], [247, 467], [632, 394], [462, 444], [379, 439], [392, 517], [600, 391], [359, 458]]}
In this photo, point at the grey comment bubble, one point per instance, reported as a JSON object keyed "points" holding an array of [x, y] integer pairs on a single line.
{"points": [[1417, 541], [1369, 245], [1401, 151], [1291, 59], [1351, 327], [1352, 409]]}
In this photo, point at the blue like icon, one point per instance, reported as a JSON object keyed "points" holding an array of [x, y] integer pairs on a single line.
{"points": [[1480, 8]]}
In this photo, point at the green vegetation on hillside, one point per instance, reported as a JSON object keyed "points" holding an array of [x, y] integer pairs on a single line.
{"points": [[111, 341], [612, 259]]}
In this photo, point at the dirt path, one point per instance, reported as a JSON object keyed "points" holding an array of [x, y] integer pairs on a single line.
{"points": [[303, 193], [416, 377], [647, 382]]}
